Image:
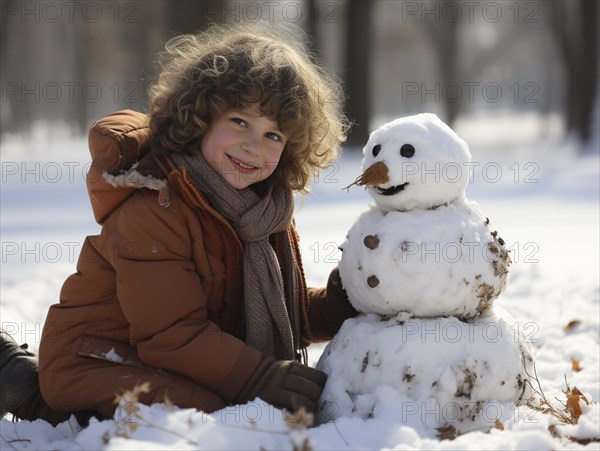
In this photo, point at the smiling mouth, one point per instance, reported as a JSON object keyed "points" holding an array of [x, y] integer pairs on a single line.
{"points": [[391, 190], [241, 165]]}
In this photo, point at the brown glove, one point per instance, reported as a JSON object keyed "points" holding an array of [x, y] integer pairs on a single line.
{"points": [[329, 308], [286, 384]]}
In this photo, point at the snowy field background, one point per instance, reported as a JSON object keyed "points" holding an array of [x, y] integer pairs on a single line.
{"points": [[538, 190]]}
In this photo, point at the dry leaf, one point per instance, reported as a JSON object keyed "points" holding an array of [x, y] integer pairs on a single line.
{"points": [[168, 403], [575, 365], [572, 325], [574, 396], [447, 433], [499, 425], [582, 441], [568, 414], [300, 419], [554, 431], [142, 388], [132, 395]]}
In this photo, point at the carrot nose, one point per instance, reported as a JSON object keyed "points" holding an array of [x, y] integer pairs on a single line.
{"points": [[374, 175]]}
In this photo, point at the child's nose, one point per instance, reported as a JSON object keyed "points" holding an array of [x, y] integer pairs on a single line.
{"points": [[252, 146]]}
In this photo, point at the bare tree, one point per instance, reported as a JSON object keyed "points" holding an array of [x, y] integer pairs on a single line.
{"points": [[357, 79], [444, 37], [575, 27]]}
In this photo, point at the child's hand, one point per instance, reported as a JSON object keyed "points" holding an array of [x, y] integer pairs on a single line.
{"points": [[286, 384]]}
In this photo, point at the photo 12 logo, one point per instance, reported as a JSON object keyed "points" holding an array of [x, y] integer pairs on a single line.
{"points": [[470, 11], [470, 92], [69, 92], [453, 172], [70, 11], [271, 11]]}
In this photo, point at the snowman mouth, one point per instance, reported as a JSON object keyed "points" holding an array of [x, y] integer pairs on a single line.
{"points": [[391, 190]]}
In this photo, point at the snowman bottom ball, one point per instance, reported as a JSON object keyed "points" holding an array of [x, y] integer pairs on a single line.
{"points": [[436, 371]]}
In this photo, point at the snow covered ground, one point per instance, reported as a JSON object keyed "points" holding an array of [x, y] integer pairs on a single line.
{"points": [[541, 196]]}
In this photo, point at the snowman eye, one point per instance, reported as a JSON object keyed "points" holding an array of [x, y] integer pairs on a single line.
{"points": [[407, 150], [376, 150]]}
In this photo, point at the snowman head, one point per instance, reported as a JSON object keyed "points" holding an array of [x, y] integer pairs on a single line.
{"points": [[415, 162]]}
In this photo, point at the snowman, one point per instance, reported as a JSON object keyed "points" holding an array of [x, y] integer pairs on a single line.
{"points": [[423, 267]]}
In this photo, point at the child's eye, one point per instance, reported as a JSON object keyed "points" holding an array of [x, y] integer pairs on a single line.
{"points": [[240, 121], [274, 136]]}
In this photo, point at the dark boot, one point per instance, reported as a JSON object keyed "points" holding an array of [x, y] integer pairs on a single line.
{"points": [[19, 386]]}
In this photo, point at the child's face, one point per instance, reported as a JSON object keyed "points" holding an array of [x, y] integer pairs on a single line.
{"points": [[243, 146]]}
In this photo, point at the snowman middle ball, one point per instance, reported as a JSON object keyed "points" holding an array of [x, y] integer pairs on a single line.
{"points": [[430, 263]]}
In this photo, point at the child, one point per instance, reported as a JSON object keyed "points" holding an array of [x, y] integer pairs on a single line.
{"points": [[195, 283]]}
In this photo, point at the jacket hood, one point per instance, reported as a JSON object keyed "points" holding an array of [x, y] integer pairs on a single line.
{"points": [[121, 161]]}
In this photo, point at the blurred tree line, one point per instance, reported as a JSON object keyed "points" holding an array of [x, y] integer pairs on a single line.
{"points": [[63, 64]]}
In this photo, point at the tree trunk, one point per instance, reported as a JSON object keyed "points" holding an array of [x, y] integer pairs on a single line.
{"points": [[575, 28], [357, 79], [444, 36], [589, 74]]}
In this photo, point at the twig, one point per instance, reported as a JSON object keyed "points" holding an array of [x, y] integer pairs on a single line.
{"points": [[549, 409], [8, 443], [12, 441], [340, 434], [235, 426]]}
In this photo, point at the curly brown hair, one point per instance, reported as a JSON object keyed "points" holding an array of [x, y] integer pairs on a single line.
{"points": [[232, 67]]}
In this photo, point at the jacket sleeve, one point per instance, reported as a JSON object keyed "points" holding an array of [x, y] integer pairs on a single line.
{"points": [[162, 297], [328, 308]]}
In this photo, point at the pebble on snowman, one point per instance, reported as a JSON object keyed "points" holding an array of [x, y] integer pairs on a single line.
{"points": [[423, 268]]}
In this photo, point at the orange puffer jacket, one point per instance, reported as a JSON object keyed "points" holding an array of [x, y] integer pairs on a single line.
{"points": [[157, 296]]}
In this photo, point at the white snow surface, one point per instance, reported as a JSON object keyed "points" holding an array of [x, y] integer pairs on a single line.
{"points": [[541, 196], [113, 356]]}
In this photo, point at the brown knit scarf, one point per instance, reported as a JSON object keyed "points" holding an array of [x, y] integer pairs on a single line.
{"points": [[271, 299]]}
